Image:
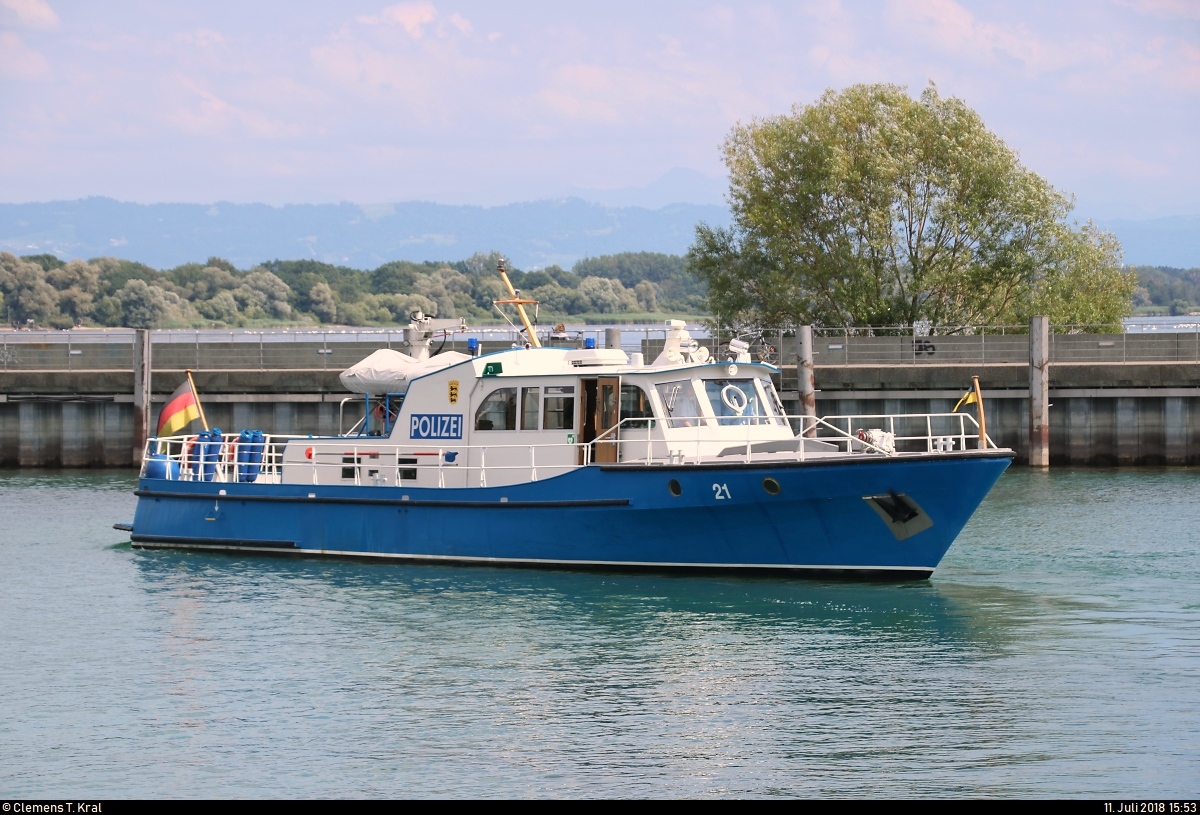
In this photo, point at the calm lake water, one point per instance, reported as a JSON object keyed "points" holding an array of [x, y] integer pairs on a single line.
{"points": [[1056, 652]]}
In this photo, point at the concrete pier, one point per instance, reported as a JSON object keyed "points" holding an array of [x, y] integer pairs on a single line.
{"points": [[1056, 399]]}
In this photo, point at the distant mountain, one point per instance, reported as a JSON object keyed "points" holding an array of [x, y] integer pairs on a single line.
{"points": [[1172, 241], [531, 234], [677, 186]]}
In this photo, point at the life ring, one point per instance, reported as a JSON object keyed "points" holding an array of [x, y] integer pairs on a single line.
{"points": [[731, 401], [188, 448]]}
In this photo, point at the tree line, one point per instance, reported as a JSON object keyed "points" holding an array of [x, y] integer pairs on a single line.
{"points": [[1167, 290], [45, 292]]}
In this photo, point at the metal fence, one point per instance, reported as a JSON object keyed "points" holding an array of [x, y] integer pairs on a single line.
{"points": [[996, 345], [112, 349]]}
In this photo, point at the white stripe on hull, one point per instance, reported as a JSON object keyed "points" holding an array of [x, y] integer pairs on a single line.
{"points": [[646, 564]]}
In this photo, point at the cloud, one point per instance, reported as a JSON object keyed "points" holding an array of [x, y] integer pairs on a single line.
{"points": [[954, 29], [213, 116], [202, 38], [461, 23], [411, 16], [35, 14], [18, 61], [1165, 9]]}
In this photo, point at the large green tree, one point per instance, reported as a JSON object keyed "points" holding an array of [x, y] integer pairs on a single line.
{"points": [[870, 207]]}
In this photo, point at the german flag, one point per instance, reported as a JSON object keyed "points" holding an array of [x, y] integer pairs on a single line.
{"points": [[181, 409]]}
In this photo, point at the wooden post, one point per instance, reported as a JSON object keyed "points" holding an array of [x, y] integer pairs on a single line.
{"points": [[808, 380], [983, 443], [196, 396], [141, 393], [1039, 392]]}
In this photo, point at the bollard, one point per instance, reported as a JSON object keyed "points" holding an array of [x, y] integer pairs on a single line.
{"points": [[141, 393], [1039, 392], [808, 380]]}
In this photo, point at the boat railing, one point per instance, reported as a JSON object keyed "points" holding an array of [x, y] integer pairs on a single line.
{"points": [[910, 432], [364, 461], [688, 438], [192, 458]]}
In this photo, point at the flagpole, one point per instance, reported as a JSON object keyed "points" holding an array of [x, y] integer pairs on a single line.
{"points": [[204, 421], [978, 404]]}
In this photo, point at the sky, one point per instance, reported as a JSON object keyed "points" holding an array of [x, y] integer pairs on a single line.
{"points": [[494, 103]]}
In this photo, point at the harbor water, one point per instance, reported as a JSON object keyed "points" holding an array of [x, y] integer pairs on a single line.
{"points": [[1055, 652]]}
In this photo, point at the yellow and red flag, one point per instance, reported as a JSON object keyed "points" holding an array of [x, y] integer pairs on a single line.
{"points": [[181, 409]]}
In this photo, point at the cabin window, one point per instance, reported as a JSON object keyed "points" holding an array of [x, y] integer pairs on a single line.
{"points": [[558, 408], [736, 401], [680, 402], [498, 411], [529, 408], [635, 405], [408, 468], [351, 462]]}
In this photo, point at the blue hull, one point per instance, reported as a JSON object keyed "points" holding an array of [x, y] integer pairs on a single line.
{"points": [[617, 516]]}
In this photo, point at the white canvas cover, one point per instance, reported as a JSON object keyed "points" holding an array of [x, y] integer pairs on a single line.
{"points": [[388, 371]]}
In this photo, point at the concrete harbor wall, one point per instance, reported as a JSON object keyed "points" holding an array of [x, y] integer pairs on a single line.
{"points": [[1108, 404], [1100, 414]]}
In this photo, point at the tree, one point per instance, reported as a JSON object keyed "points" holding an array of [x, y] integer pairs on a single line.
{"points": [[606, 295], [145, 306], [872, 208], [324, 305], [222, 307], [275, 292], [77, 283], [647, 297], [27, 295]]}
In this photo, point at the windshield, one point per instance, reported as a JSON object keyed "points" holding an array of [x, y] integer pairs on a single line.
{"points": [[737, 402], [680, 402]]}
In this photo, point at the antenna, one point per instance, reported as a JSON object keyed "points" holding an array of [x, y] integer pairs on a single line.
{"points": [[515, 299]]}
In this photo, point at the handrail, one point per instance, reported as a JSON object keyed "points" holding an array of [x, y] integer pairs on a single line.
{"points": [[659, 444]]}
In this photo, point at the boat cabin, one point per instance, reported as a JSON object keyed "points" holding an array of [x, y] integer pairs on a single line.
{"points": [[525, 414]]}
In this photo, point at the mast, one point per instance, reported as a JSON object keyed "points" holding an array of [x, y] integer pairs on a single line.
{"points": [[520, 302]]}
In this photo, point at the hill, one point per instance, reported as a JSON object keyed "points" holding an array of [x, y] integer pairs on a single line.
{"points": [[532, 235]]}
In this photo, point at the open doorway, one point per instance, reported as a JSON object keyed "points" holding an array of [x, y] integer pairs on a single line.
{"points": [[598, 409]]}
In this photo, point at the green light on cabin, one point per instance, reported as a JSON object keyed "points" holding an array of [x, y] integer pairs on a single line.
{"points": [[493, 369]]}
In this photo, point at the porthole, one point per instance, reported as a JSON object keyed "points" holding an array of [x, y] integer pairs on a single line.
{"points": [[674, 487], [771, 486]]}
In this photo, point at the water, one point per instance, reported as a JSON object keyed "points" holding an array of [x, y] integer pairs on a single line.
{"points": [[1056, 652]]}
